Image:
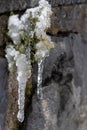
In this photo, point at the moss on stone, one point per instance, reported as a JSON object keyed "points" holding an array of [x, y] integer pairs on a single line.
{"points": [[28, 89], [53, 30]]}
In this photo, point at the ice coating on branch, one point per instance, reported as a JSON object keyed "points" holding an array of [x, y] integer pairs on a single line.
{"points": [[31, 25]]}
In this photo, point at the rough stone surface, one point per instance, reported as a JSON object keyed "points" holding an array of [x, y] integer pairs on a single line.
{"points": [[41, 114], [64, 87], [18, 5], [70, 19], [13, 5], [3, 92], [34, 3], [3, 30], [11, 118]]}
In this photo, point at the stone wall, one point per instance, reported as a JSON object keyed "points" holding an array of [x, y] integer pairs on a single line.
{"points": [[64, 106]]}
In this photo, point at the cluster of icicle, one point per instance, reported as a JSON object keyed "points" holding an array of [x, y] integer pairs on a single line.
{"points": [[17, 27]]}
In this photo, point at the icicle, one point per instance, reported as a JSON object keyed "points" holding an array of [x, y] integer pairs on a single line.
{"points": [[24, 72], [39, 80], [21, 101]]}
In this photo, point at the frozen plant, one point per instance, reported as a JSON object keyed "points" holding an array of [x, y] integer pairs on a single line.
{"points": [[28, 34]]}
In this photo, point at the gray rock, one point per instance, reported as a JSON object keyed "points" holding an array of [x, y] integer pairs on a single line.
{"points": [[13, 5], [3, 23], [64, 106], [44, 111], [69, 19], [3, 91]]}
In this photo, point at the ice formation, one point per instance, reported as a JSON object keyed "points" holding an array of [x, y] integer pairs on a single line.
{"points": [[39, 78], [31, 25]]}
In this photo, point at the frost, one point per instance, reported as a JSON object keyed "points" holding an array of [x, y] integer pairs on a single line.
{"points": [[11, 55], [15, 26], [27, 31]]}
